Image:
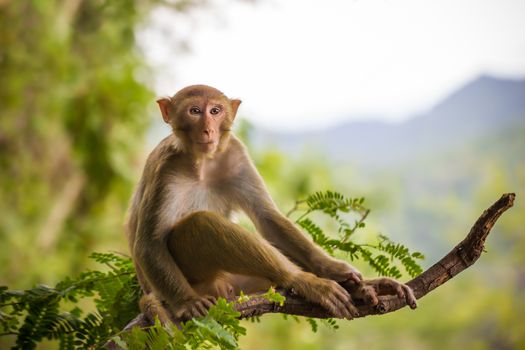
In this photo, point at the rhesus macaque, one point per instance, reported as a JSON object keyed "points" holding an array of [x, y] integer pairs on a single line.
{"points": [[186, 250]]}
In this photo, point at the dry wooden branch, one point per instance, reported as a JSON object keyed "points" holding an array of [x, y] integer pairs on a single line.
{"points": [[461, 257]]}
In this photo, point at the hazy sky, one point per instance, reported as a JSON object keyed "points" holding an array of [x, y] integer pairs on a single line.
{"points": [[301, 64]]}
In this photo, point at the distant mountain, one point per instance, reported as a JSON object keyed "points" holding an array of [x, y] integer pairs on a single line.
{"points": [[482, 106]]}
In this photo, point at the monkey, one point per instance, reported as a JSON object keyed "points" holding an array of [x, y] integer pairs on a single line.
{"points": [[187, 251]]}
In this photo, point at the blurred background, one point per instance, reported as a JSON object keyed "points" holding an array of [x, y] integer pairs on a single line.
{"points": [[419, 106]]}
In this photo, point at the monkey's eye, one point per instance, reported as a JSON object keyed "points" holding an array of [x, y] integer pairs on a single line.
{"points": [[195, 110], [215, 110]]}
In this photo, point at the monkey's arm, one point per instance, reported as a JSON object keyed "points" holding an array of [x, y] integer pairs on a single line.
{"points": [[151, 253], [161, 272], [283, 234]]}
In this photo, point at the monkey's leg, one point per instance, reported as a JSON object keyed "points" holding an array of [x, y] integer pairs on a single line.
{"points": [[204, 243]]}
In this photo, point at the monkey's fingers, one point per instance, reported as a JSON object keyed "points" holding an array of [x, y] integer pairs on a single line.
{"points": [[203, 305], [344, 295], [404, 292], [344, 302], [387, 286], [351, 308], [209, 301], [340, 292], [368, 294], [203, 309], [196, 311], [358, 277], [187, 314], [410, 297], [195, 308], [354, 277], [191, 310], [335, 307]]}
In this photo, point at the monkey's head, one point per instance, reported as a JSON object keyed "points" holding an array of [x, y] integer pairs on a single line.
{"points": [[201, 117]]}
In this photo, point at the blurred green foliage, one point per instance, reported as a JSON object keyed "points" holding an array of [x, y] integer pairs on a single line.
{"points": [[72, 123]]}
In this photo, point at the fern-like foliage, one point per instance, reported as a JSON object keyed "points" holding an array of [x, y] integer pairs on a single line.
{"points": [[45, 312], [219, 329], [110, 300], [384, 256]]}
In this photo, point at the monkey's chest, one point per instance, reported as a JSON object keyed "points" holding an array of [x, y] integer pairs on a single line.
{"points": [[189, 198]]}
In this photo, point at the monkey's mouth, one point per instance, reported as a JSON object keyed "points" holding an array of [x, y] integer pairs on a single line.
{"points": [[206, 147]]}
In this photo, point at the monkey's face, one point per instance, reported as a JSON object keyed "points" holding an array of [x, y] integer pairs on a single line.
{"points": [[201, 117], [202, 120]]}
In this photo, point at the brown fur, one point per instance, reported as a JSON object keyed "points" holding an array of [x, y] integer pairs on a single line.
{"points": [[186, 250]]}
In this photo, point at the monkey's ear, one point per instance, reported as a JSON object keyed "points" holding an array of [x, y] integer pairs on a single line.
{"points": [[235, 106], [164, 104]]}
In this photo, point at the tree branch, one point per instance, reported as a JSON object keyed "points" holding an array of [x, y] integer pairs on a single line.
{"points": [[460, 258]]}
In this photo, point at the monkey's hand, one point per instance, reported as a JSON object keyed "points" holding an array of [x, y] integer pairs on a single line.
{"points": [[329, 294], [338, 270], [196, 307], [369, 290]]}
